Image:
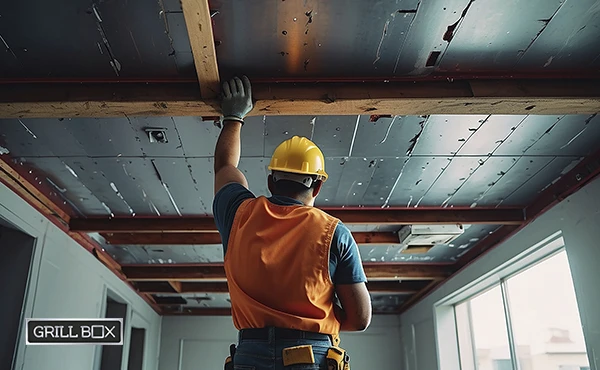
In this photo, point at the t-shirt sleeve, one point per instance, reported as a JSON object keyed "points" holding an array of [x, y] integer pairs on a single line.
{"points": [[345, 258], [226, 203]]}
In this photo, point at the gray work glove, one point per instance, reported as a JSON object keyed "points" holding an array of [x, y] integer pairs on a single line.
{"points": [[237, 99]]}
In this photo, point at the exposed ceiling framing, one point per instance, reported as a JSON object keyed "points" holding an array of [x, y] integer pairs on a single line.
{"points": [[421, 59], [549, 96]]}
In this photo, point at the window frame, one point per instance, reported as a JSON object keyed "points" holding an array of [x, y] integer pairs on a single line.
{"points": [[445, 321]]}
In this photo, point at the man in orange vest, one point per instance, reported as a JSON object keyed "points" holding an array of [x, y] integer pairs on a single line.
{"points": [[287, 263]]}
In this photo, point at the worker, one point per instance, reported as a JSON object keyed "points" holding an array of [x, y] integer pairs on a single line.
{"points": [[294, 272]]}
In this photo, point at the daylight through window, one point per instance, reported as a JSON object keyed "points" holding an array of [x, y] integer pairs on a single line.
{"points": [[529, 321]]}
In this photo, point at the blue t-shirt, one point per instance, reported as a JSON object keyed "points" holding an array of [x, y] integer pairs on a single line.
{"points": [[345, 266]]}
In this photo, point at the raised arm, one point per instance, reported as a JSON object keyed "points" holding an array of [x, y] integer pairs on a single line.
{"points": [[236, 104]]}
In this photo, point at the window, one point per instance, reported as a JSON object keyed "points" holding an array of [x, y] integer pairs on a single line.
{"points": [[529, 321]]}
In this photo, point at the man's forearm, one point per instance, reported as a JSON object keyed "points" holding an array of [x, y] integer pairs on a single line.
{"points": [[228, 149]]}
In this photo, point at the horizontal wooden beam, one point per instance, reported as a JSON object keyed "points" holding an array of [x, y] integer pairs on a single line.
{"points": [[207, 238], [378, 216], [216, 271], [551, 96], [196, 311], [220, 311], [189, 287]]}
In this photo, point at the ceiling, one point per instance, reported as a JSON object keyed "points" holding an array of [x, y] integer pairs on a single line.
{"points": [[92, 167]]}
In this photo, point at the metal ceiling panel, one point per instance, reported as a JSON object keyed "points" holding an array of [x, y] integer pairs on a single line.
{"points": [[547, 175], [484, 177], [490, 135], [573, 135], [354, 181], [107, 39], [373, 228], [439, 253], [425, 41], [197, 137], [129, 187], [170, 6], [48, 34], [570, 38], [40, 138], [138, 37], [526, 135], [416, 178], [311, 38], [281, 128], [523, 170], [92, 175], [483, 38], [445, 135], [253, 137], [211, 300], [180, 41], [255, 170], [451, 179], [382, 183], [334, 134], [188, 183], [67, 184], [386, 137], [145, 183], [159, 254], [334, 167], [382, 302]]}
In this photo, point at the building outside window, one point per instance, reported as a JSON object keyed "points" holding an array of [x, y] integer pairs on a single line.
{"points": [[529, 321]]}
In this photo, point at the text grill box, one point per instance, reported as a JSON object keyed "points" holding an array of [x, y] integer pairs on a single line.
{"points": [[74, 331]]}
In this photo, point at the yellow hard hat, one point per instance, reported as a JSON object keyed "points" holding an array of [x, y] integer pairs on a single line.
{"points": [[300, 156]]}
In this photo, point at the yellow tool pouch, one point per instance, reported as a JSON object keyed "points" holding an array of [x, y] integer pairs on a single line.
{"points": [[298, 355], [337, 359]]}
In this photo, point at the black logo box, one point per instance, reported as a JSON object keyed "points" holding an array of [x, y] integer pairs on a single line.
{"points": [[74, 331]]}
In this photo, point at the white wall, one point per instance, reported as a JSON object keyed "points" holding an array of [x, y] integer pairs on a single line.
{"points": [[202, 343], [578, 219], [66, 281]]}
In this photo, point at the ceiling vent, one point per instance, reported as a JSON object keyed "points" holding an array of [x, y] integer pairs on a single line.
{"points": [[429, 235]]}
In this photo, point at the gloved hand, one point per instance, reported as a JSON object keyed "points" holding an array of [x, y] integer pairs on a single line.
{"points": [[237, 99]]}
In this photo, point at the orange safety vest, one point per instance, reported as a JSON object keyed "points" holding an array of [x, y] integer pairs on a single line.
{"points": [[277, 267]]}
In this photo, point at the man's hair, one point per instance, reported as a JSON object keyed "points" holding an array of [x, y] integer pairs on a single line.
{"points": [[292, 189]]}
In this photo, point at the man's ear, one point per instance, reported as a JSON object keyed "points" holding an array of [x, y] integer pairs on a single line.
{"points": [[317, 188], [270, 184]]}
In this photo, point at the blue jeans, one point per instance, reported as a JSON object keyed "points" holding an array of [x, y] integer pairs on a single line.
{"points": [[254, 354]]}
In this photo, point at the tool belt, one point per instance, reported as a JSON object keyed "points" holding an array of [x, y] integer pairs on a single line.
{"points": [[337, 358]]}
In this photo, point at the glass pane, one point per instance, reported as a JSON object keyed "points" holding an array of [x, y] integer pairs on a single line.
{"points": [[489, 336], [545, 318]]}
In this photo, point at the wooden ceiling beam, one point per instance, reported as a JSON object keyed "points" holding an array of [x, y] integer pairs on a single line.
{"points": [[188, 287], [56, 100], [216, 271], [174, 310], [199, 27], [378, 216], [208, 238]]}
